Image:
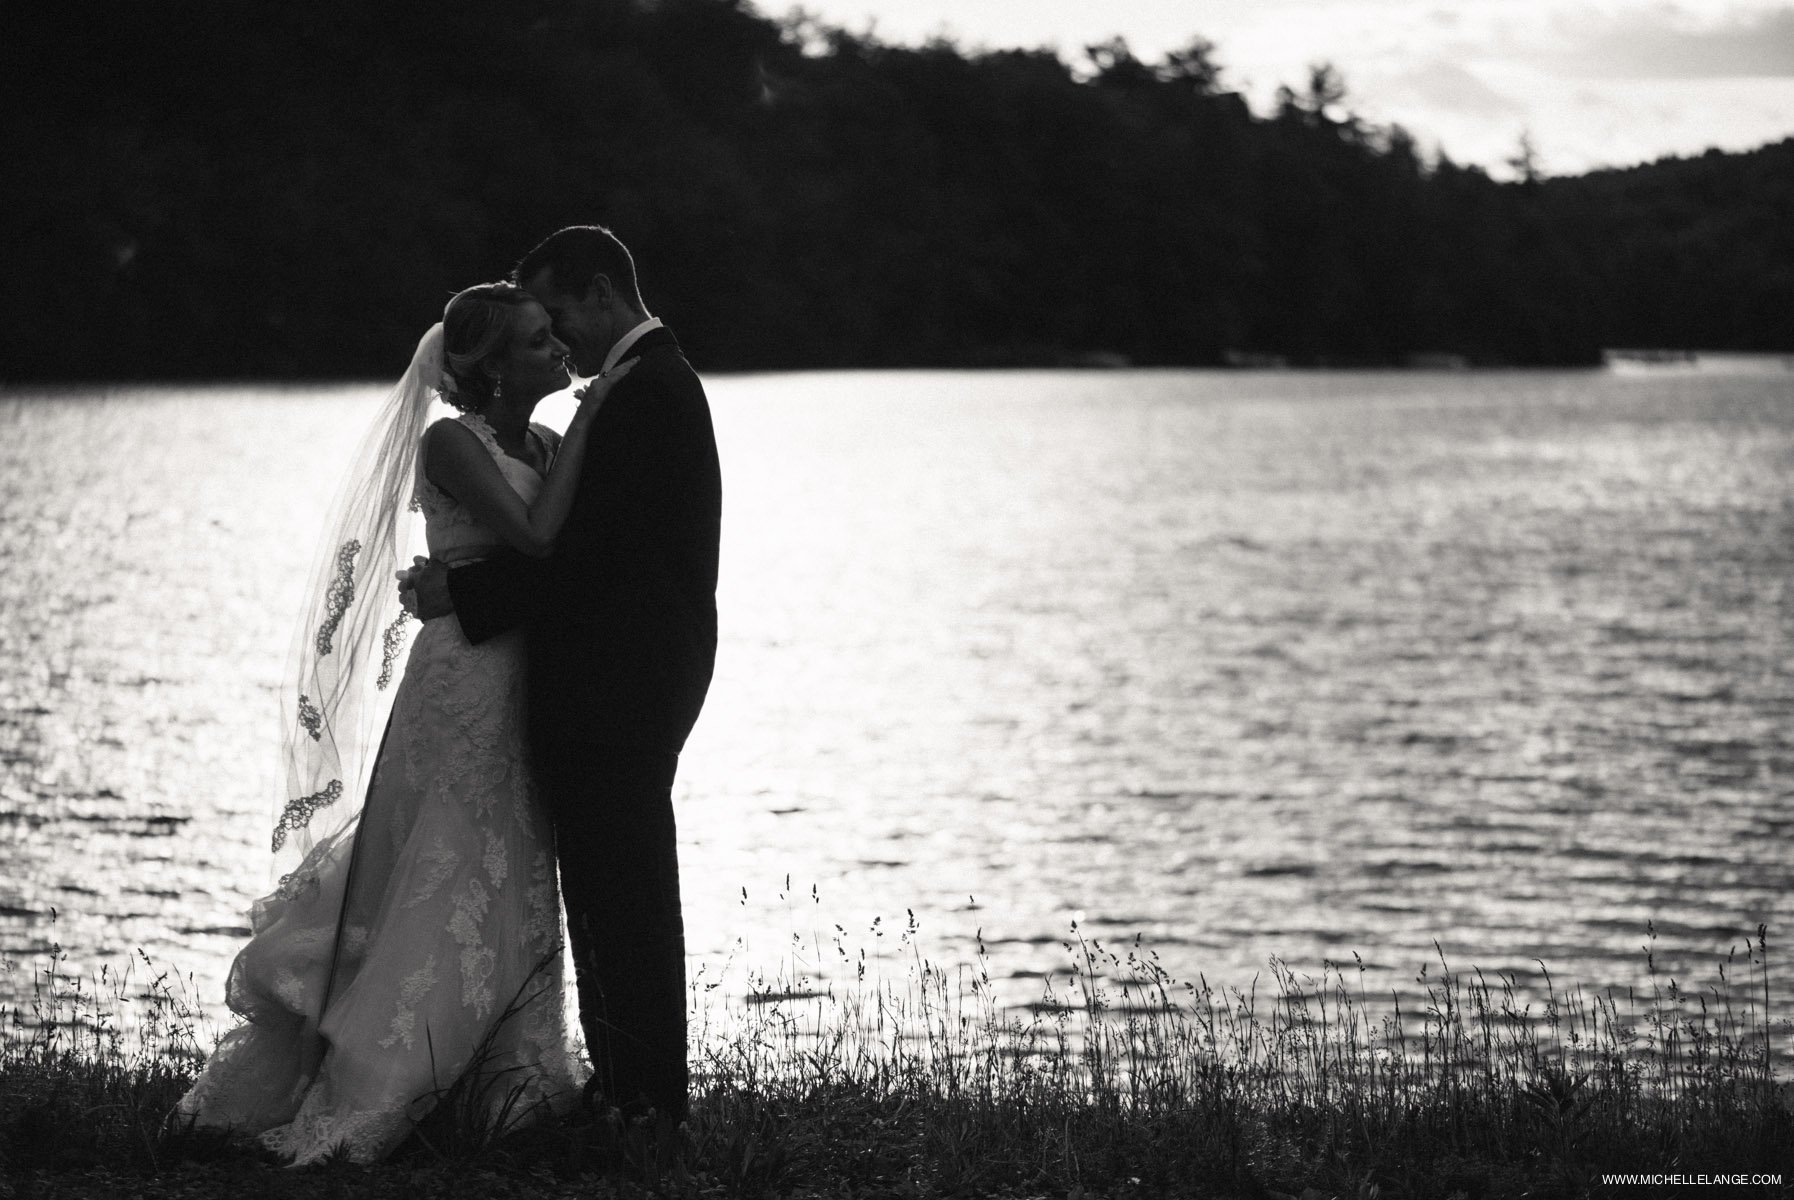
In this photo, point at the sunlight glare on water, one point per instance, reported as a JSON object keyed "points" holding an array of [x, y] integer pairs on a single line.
{"points": [[1246, 664]]}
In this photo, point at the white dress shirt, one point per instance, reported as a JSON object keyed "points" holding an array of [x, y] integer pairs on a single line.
{"points": [[627, 340]]}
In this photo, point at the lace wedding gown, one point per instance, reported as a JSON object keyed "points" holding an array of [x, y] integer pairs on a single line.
{"points": [[433, 926]]}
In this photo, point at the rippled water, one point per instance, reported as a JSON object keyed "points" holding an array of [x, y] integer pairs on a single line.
{"points": [[1248, 664]]}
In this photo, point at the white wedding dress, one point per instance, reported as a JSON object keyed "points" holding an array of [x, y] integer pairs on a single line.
{"points": [[449, 949]]}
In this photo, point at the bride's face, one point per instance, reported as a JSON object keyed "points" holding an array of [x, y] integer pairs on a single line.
{"points": [[535, 362]]}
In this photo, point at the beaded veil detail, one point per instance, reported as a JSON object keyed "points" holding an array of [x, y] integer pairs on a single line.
{"points": [[350, 632]]}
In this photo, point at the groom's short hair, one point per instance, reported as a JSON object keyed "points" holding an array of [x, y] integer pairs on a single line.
{"points": [[574, 255]]}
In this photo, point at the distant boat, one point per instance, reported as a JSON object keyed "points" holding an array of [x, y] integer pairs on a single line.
{"points": [[1437, 360], [1696, 362], [1254, 359], [1100, 359]]}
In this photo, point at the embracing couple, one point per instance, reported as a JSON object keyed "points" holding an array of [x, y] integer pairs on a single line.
{"points": [[415, 941]]}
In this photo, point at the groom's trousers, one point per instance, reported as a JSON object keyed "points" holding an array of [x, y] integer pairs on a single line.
{"points": [[612, 808]]}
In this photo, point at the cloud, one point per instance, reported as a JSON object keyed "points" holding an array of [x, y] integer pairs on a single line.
{"points": [[1594, 82], [1661, 43], [1447, 86]]}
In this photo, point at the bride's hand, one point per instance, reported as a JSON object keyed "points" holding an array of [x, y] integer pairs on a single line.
{"points": [[592, 396]]}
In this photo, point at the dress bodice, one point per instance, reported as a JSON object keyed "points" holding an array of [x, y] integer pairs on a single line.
{"points": [[453, 533]]}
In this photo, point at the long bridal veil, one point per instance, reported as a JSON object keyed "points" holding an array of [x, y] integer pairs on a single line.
{"points": [[351, 631], [346, 652]]}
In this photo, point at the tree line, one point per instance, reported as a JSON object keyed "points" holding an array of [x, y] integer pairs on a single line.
{"points": [[209, 188]]}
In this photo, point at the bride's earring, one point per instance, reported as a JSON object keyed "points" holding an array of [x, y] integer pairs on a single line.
{"points": [[498, 388]]}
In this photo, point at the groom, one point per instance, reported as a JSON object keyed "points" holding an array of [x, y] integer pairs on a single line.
{"points": [[621, 622]]}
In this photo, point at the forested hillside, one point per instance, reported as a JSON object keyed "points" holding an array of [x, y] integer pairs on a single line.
{"points": [[216, 188]]}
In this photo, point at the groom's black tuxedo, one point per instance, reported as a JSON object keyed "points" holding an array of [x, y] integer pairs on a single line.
{"points": [[621, 621]]}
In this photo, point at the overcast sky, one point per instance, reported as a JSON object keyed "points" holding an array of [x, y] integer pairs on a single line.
{"points": [[1593, 82]]}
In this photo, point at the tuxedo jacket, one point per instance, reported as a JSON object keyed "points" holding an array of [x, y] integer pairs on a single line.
{"points": [[621, 617]]}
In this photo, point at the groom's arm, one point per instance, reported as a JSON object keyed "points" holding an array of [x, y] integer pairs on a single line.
{"points": [[496, 594]]}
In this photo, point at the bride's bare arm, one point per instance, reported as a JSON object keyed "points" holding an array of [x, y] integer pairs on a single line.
{"points": [[456, 462]]}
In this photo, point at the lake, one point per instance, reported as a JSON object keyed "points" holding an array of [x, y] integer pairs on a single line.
{"points": [[1288, 664]]}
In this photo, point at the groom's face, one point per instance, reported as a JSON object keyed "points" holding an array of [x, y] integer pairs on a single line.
{"points": [[583, 321]]}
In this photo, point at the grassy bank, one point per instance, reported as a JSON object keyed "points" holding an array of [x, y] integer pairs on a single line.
{"points": [[1121, 1081]]}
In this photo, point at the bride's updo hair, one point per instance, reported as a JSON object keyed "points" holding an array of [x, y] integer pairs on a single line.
{"points": [[476, 326]]}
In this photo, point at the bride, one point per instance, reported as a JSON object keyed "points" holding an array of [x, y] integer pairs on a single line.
{"points": [[414, 940]]}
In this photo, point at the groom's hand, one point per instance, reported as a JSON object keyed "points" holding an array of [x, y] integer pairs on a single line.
{"points": [[423, 590]]}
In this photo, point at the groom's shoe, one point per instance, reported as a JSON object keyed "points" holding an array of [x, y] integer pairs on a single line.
{"points": [[635, 1136]]}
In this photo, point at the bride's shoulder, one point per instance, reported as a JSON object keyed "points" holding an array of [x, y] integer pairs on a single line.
{"points": [[456, 430]]}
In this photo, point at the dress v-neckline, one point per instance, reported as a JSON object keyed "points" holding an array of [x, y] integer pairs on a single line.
{"points": [[548, 452], [547, 455], [491, 439]]}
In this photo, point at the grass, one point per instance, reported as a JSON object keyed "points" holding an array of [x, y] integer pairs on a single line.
{"points": [[1121, 1081]]}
